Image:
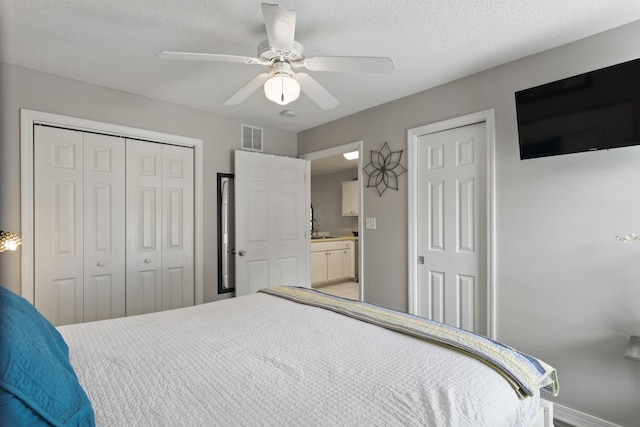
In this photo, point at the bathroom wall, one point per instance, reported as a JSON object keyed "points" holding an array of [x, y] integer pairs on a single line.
{"points": [[326, 199]]}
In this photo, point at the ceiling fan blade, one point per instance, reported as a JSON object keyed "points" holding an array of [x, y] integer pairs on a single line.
{"points": [[247, 89], [317, 93], [359, 64], [191, 56], [281, 26]]}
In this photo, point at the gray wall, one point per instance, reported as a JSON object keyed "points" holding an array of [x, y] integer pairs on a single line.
{"points": [[567, 292], [326, 199], [23, 88]]}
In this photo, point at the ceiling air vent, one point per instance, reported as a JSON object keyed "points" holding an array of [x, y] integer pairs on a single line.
{"points": [[251, 137]]}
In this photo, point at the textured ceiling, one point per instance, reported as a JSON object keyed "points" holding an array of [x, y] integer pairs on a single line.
{"points": [[115, 44]]}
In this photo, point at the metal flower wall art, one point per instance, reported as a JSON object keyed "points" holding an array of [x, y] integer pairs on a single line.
{"points": [[384, 169]]}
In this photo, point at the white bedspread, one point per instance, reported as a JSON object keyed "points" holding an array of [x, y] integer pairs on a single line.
{"points": [[263, 360]]}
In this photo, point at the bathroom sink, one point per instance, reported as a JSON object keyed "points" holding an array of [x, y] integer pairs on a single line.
{"points": [[323, 237]]}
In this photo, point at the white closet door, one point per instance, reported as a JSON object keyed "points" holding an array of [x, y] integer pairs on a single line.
{"points": [[177, 227], [58, 205], [144, 240], [159, 219], [104, 227], [76, 174]]}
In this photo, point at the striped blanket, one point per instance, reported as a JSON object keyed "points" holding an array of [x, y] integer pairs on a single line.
{"points": [[525, 373]]}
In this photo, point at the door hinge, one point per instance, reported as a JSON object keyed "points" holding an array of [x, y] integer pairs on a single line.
{"points": [[420, 260]]}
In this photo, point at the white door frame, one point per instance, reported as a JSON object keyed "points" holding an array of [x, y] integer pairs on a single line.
{"points": [[341, 149], [30, 118], [488, 117]]}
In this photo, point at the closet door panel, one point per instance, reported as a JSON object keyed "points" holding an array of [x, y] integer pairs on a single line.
{"points": [[58, 210], [98, 298], [143, 222], [146, 295], [104, 227], [178, 226]]}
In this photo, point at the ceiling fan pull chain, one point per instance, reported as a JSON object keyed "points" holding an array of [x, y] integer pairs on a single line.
{"points": [[282, 90]]}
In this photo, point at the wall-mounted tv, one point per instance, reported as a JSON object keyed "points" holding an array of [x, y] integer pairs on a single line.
{"points": [[592, 111]]}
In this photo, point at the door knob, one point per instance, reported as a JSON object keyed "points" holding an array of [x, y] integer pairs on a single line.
{"points": [[100, 263], [242, 253], [233, 251], [147, 260]]}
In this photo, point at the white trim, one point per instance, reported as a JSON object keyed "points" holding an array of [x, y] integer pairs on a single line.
{"points": [[333, 151], [307, 234], [579, 419], [29, 118], [547, 412], [488, 117]]}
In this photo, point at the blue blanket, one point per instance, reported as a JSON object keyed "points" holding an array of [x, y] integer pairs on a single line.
{"points": [[38, 385], [525, 373]]}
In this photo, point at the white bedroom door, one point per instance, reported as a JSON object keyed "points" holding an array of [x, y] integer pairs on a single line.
{"points": [[272, 220], [452, 227]]}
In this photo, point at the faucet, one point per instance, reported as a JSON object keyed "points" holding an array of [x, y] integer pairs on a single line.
{"points": [[314, 230]]}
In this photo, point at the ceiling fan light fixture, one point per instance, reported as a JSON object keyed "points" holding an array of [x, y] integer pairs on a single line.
{"points": [[282, 89], [280, 52]]}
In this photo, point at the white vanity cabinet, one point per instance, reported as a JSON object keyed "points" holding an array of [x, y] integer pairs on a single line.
{"points": [[332, 260], [350, 198], [319, 272]]}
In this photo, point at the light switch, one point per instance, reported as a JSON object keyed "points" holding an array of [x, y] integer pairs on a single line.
{"points": [[371, 223]]}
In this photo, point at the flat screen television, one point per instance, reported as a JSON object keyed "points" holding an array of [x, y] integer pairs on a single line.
{"points": [[592, 111]]}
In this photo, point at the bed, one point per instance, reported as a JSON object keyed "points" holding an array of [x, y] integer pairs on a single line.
{"points": [[283, 356]]}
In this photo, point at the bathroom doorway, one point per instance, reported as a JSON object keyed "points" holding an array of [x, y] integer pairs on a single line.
{"points": [[330, 169]]}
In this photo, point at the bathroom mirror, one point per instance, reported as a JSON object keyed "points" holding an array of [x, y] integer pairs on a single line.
{"points": [[226, 238]]}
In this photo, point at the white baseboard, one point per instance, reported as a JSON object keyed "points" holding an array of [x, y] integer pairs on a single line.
{"points": [[578, 419]]}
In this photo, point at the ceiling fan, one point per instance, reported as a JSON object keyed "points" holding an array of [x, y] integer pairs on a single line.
{"points": [[282, 54]]}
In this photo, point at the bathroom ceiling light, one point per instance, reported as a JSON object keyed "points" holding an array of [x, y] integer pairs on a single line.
{"points": [[351, 155]]}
